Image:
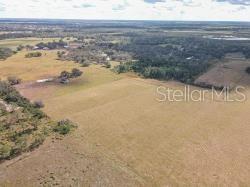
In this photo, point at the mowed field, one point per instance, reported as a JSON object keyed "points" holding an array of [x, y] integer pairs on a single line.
{"points": [[125, 137]]}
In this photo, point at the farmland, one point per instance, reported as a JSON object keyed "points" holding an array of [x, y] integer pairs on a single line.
{"points": [[132, 135], [125, 135]]}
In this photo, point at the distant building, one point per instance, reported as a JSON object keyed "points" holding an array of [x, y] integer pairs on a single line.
{"points": [[74, 45], [35, 48]]}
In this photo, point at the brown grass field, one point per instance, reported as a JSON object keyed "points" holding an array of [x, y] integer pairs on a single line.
{"points": [[125, 137], [230, 72]]}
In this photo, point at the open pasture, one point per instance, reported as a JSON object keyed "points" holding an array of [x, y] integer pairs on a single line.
{"points": [[125, 137], [153, 143]]}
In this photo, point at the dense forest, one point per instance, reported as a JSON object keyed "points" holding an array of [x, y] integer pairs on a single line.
{"points": [[179, 58]]}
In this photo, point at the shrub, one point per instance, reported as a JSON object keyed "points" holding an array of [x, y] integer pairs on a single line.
{"points": [[65, 75], [38, 140], [5, 151], [64, 127], [20, 48], [38, 104], [13, 80], [33, 54], [85, 64], [60, 54], [75, 73], [5, 53]]}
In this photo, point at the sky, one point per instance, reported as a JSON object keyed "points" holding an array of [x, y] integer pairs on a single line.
{"points": [[190, 10]]}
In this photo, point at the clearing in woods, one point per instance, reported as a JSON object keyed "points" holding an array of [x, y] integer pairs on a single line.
{"points": [[126, 137]]}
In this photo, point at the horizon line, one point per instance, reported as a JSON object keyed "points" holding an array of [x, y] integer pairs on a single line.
{"points": [[153, 20]]}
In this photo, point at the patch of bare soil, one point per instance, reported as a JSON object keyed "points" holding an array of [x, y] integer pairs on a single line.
{"points": [[34, 90], [229, 73]]}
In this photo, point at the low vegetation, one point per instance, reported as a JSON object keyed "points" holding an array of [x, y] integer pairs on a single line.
{"points": [[22, 125], [60, 54], [65, 76], [5, 53], [38, 104], [13, 80], [52, 45], [63, 127], [33, 54]]}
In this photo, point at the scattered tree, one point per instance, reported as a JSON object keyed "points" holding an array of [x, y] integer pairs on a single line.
{"points": [[76, 73], [65, 76]]}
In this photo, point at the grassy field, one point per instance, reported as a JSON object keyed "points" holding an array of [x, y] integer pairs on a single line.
{"points": [[230, 72], [31, 69], [14, 43], [128, 138]]}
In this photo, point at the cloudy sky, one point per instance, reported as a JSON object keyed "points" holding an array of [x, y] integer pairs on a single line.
{"points": [[228, 10]]}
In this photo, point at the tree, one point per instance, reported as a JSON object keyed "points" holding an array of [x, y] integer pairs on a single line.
{"points": [[65, 76]]}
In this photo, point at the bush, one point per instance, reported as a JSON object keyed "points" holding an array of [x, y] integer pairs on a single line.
{"points": [[84, 64], [64, 127], [38, 104], [20, 48], [13, 80], [5, 151], [75, 73], [33, 54], [5, 53], [65, 75], [60, 54], [38, 140]]}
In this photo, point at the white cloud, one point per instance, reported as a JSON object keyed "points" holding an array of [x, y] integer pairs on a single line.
{"points": [[126, 9]]}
